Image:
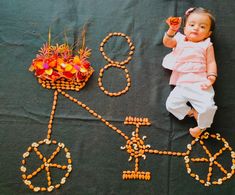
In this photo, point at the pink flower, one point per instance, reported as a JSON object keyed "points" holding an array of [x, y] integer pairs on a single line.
{"points": [[45, 66], [76, 67]]}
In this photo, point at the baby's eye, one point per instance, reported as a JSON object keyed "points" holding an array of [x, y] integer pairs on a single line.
{"points": [[191, 25], [203, 27]]}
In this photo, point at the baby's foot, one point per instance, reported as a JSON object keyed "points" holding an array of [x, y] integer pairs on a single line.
{"points": [[196, 131]]}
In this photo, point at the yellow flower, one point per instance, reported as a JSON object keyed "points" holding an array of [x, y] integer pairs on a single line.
{"points": [[68, 67], [49, 71]]}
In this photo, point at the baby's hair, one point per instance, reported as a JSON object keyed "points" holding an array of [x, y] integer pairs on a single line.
{"points": [[201, 10]]}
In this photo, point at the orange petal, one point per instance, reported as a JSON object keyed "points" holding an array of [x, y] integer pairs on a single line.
{"points": [[73, 71], [76, 60], [60, 61], [59, 69], [39, 64], [52, 63]]}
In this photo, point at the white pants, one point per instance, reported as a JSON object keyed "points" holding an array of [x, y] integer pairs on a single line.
{"points": [[201, 100]]}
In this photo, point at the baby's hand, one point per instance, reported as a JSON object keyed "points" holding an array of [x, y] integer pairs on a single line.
{"points": [[174, 23], [209, 83], [206, 85]]}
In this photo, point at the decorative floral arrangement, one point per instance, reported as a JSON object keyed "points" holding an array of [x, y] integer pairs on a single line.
{"points": [[174, 20], [59, 61]]}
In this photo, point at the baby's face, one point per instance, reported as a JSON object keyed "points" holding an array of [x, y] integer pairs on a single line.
{"points": [[197, 27]]}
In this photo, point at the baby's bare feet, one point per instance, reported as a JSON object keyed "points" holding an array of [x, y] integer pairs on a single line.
{"points": [[196, 131]]}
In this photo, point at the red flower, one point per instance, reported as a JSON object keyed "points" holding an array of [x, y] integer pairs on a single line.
{"points": [[67, 74], [54, 76], [86, 64], [80, 77], [39, 72]]}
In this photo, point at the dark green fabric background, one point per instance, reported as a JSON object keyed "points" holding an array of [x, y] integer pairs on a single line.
{"points": [[98, 161]]}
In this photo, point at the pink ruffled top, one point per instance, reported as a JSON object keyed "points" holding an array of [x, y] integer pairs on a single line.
{"points": [[187, 61]]}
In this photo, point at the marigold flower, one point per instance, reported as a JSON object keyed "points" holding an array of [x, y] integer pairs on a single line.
{"points": [[175, 20]]}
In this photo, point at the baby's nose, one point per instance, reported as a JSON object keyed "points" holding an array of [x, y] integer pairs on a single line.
{"points": [[196, 27]]}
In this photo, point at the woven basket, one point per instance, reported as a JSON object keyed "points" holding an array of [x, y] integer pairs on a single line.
{"points": [[64, 83]]}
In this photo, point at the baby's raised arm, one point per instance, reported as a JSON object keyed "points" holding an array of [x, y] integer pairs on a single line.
{"points": [[174, 25]]}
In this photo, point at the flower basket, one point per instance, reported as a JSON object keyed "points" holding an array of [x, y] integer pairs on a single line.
{"points": [[59, 67]]}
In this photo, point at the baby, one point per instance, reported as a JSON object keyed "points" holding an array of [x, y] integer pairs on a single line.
{"points": [[194, 68]]}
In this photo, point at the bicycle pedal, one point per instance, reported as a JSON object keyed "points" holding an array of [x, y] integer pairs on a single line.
{"points": [[129, 120], [141, 175]]}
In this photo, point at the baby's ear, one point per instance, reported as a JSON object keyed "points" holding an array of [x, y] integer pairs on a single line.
{"points": [[209, 34]]}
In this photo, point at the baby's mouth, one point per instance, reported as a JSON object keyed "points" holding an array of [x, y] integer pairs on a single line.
{"points": [[194, 33]]}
